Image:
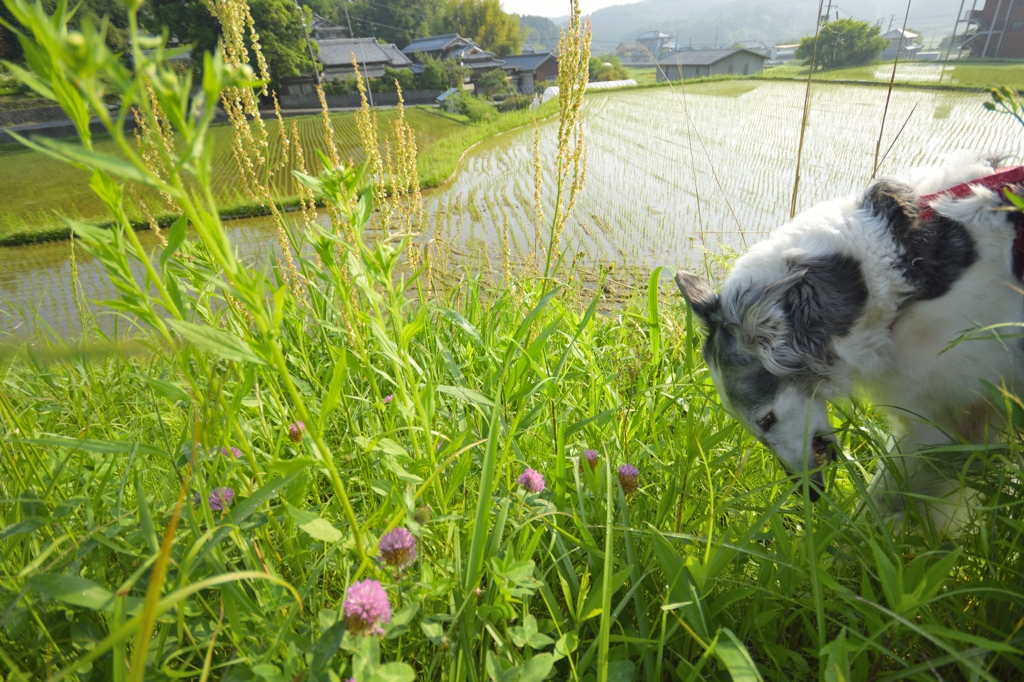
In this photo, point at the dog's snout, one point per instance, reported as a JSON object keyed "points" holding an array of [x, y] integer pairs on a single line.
{"points": [[826, 449]]}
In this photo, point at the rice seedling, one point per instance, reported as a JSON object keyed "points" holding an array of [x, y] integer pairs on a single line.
{"points": [[393, 476]]}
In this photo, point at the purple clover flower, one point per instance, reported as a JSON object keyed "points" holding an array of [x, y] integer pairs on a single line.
{"points": [[591, 457], [367, 607], [388, 398], [398, 548], [232, 452], [531, 480], [220, 498], [295, 430], [628, 475]]}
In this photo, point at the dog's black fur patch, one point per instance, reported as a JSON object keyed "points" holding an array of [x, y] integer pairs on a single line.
{"points": [[935, 251], [747, 382], [825, 301]]}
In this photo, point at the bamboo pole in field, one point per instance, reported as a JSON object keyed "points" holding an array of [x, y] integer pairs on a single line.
{"points": [[807, 109]]}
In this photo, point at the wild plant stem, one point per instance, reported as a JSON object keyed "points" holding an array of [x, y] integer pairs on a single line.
{"points": [[807, 110], [888, 94]]}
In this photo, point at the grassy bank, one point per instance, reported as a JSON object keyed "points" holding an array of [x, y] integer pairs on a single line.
{"points": [[38, 189]]}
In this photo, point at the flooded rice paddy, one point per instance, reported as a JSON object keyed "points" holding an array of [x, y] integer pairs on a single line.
{"points": [[672, 175]]}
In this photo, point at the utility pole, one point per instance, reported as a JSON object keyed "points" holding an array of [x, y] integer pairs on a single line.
{"points": [[956, 25], [716, 37], [348, 19], [828, 12], [309, 44], [892, 18]]}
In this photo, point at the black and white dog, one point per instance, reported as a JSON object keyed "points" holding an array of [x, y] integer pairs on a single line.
{"points": [[869, 292]]}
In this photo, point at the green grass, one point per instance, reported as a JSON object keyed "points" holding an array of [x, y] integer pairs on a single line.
{"points": [[424, 394], [968, 74], [643, 76], [39, 189]]}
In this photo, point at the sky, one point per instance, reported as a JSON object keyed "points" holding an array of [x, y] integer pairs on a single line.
{"points": [[557, 8]]}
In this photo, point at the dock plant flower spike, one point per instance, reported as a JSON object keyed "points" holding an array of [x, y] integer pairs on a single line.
{"points": [[531, 480], [591, 457], [628, 477], [220, 498], [295, 430], [367, 607], [398, 548]]}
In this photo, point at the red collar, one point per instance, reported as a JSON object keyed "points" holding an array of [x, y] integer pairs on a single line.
{"points": [[1003, 177]]}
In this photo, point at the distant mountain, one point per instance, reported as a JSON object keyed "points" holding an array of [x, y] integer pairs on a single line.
{"points": [[541, 32], [696, 22]]}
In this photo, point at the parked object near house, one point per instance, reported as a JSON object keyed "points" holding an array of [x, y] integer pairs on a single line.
{"points": [[930, 56], [526, 70], [684, 64], [901, 43], [996, 31]]}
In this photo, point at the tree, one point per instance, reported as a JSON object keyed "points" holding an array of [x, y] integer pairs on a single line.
{"points": [[386, 83], [440, 74], [393, 21], [278, 23], [845, 42], [484, 21], [607, 67], [93, 10], [494, 82]]}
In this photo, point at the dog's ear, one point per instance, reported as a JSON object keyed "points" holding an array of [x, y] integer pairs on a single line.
{"points": [[894, 202], [702, 300], [825, 298]]}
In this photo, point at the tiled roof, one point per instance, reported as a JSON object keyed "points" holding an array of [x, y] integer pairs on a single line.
{"points": [[653, 35], [700, 57], [431, 44], [526, 62], [339, 51]]}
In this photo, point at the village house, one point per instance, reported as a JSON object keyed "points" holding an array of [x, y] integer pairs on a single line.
{"points": [[528, 69], [754, 46], [324, 29], [996, 31], [901, 42], [452, 47], [684, 64], [335, 62]]}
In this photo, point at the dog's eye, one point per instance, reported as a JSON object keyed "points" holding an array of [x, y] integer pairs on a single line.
{"points": [[767, 422]]}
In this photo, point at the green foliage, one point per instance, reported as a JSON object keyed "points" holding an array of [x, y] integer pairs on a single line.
{"points": [[474, 108], [277, 22], [845, 42], [422, 400], [440, 74], [607, 67], [494, 82], [482, 20], [405, 78], [515, 103], [393, 21]]}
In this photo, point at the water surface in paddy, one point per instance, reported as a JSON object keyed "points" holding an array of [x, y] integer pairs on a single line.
{"points": [[671, 176]]}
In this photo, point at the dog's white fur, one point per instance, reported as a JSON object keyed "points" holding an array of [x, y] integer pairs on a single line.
{"points": [[900, 356]]}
